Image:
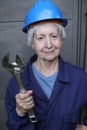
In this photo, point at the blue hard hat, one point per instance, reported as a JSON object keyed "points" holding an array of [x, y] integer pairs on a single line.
{"points": [[43, 10]]}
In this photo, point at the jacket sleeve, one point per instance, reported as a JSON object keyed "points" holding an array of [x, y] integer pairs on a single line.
{"points": [[15, 122]]}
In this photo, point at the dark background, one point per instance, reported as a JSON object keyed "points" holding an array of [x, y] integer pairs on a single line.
{"points": [[13, 40]]}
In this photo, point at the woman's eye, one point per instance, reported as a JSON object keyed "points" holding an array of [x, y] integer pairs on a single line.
{"points": [[54, 36], [40, 38]]}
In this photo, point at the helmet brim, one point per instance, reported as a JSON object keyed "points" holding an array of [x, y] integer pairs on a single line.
{"points": [[60, 21]]}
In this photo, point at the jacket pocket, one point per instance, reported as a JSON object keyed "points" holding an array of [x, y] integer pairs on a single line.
{"points": [[70, 121]]}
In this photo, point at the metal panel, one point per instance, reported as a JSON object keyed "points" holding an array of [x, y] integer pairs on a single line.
{"points": [[2, 116], [83, 37], [15, 10]]}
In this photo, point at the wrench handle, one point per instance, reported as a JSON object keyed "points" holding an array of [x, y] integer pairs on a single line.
{"points": [[30, 112]]}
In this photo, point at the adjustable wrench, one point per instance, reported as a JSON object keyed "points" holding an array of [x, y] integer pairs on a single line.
{"points": [[16, 68]]}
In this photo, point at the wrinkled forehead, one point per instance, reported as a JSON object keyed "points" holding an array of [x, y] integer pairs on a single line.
{"points": [[46, 28]]}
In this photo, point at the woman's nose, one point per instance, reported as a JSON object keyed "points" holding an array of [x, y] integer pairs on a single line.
{"points": [[48, 42]]}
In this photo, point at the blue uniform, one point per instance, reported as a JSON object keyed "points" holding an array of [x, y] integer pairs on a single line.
{"points": [[61, 111]]}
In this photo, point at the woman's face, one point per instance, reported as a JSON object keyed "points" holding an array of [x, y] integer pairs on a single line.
{"points": [[47, 42]]}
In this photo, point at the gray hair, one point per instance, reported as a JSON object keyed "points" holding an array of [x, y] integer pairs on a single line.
{"points": [[31, 32]]}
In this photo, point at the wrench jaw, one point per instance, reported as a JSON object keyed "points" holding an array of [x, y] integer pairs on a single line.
{"points": [[6, 64], [5, 60], [18, 60], [15, 66]]}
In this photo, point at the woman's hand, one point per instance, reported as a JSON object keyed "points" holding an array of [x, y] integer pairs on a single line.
{"points": [[81, 127], [24, 102]]}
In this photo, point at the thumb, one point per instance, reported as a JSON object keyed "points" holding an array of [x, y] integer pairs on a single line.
{"points": [[30, 92]]}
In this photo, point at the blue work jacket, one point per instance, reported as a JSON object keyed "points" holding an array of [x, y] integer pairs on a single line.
{"points": [[61, 111]]}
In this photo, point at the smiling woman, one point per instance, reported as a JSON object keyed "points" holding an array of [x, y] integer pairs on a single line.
{"points": [[54, 88], [47, 43]]}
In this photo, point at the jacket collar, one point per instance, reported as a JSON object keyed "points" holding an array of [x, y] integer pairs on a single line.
{"points": [[63, 74]]}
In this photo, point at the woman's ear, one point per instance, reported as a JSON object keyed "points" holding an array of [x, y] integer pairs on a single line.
{"points": [[62, 41]]}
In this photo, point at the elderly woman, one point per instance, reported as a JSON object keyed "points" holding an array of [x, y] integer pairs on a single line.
{"points": [[54, 88]]}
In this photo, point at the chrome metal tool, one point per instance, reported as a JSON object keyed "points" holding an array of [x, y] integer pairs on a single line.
{"points": [[17, 68]]}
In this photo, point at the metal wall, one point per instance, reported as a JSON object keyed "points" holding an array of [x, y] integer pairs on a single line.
{"points": [[13, 40], [82, 34]]}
